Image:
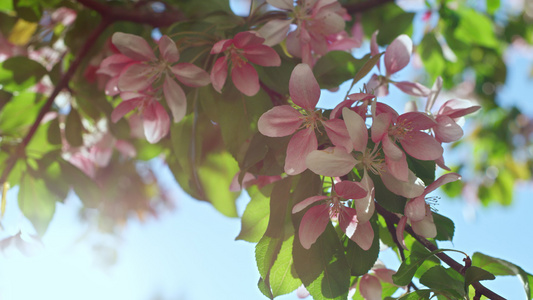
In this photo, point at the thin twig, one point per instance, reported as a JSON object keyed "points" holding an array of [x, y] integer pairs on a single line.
{"points": [[482, 290]]}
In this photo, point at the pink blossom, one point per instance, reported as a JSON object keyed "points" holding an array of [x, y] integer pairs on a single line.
{"points": [[418, 212], [136, 68], [397, 56], [316, 22], [316, 218], [244, 48], [285, 120], [249, 179], [337, 161], [155, 119], [407, 129]]}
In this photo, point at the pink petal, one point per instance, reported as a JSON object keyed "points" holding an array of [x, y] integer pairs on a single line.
{"points": [[385, 274], [416, 121], [122, 109], [444, 179], [422, 146], [415, 209], [313, 223], [305, 203], [168, 49], [300, 145], [263, 55], [398, 54], [356, 129], [332, 162], [275, 31], [365, 205], [399, 231], [219, 73], [125, 148], [235, 186], [221, 46], [246, 39], [302, 292], [456, 108], [370, 287], [413, 88], [245, 79], [156, 122], [137, 77], [191, 75], [348, 221], [378, 85], [392, 151], [133, 46], [280, 121], [374, 48], [350, 190], [176, 99], [364, 236], [411, 188], [114, 64], [303, 87], [425, 227], [447, 130], [338, 134], [398, 168], [111, 88], [380, 126]]}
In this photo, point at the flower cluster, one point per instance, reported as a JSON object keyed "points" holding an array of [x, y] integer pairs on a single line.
{"points": [[367, 141], [142, 79]]}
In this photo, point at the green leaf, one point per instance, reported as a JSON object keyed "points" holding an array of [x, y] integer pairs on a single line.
{"points": [[264, 288], [6, 6], [283, 277], [255, 218], [86, 189], [359, 260], [19, 113], [215, 175], [475, 274], [498, 267], [279, 207], [36, 202], [19, 73], [440, 279], [335, 68], [54, 133], [475, 28], [409, 266], [369, 64], [445, 227], [492, 6], [74, 129], [394, 27], [323, 268], [417, 295], [431, 53]]}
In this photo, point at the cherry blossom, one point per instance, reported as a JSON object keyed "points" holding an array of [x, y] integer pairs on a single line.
{"points": [[317, 21], [316, 218], [285, 120], [397, 57], [418, 212], [137, 68], [336, 161], [244, 48]]}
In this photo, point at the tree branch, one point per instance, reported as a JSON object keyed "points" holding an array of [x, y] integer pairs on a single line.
{"points": [[482, 290], [156, 19], [359, 7]]}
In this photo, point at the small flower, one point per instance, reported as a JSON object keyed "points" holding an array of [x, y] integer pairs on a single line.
{"points": [[244, 48], [418, 212], [285, 120], [316, 218]]}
